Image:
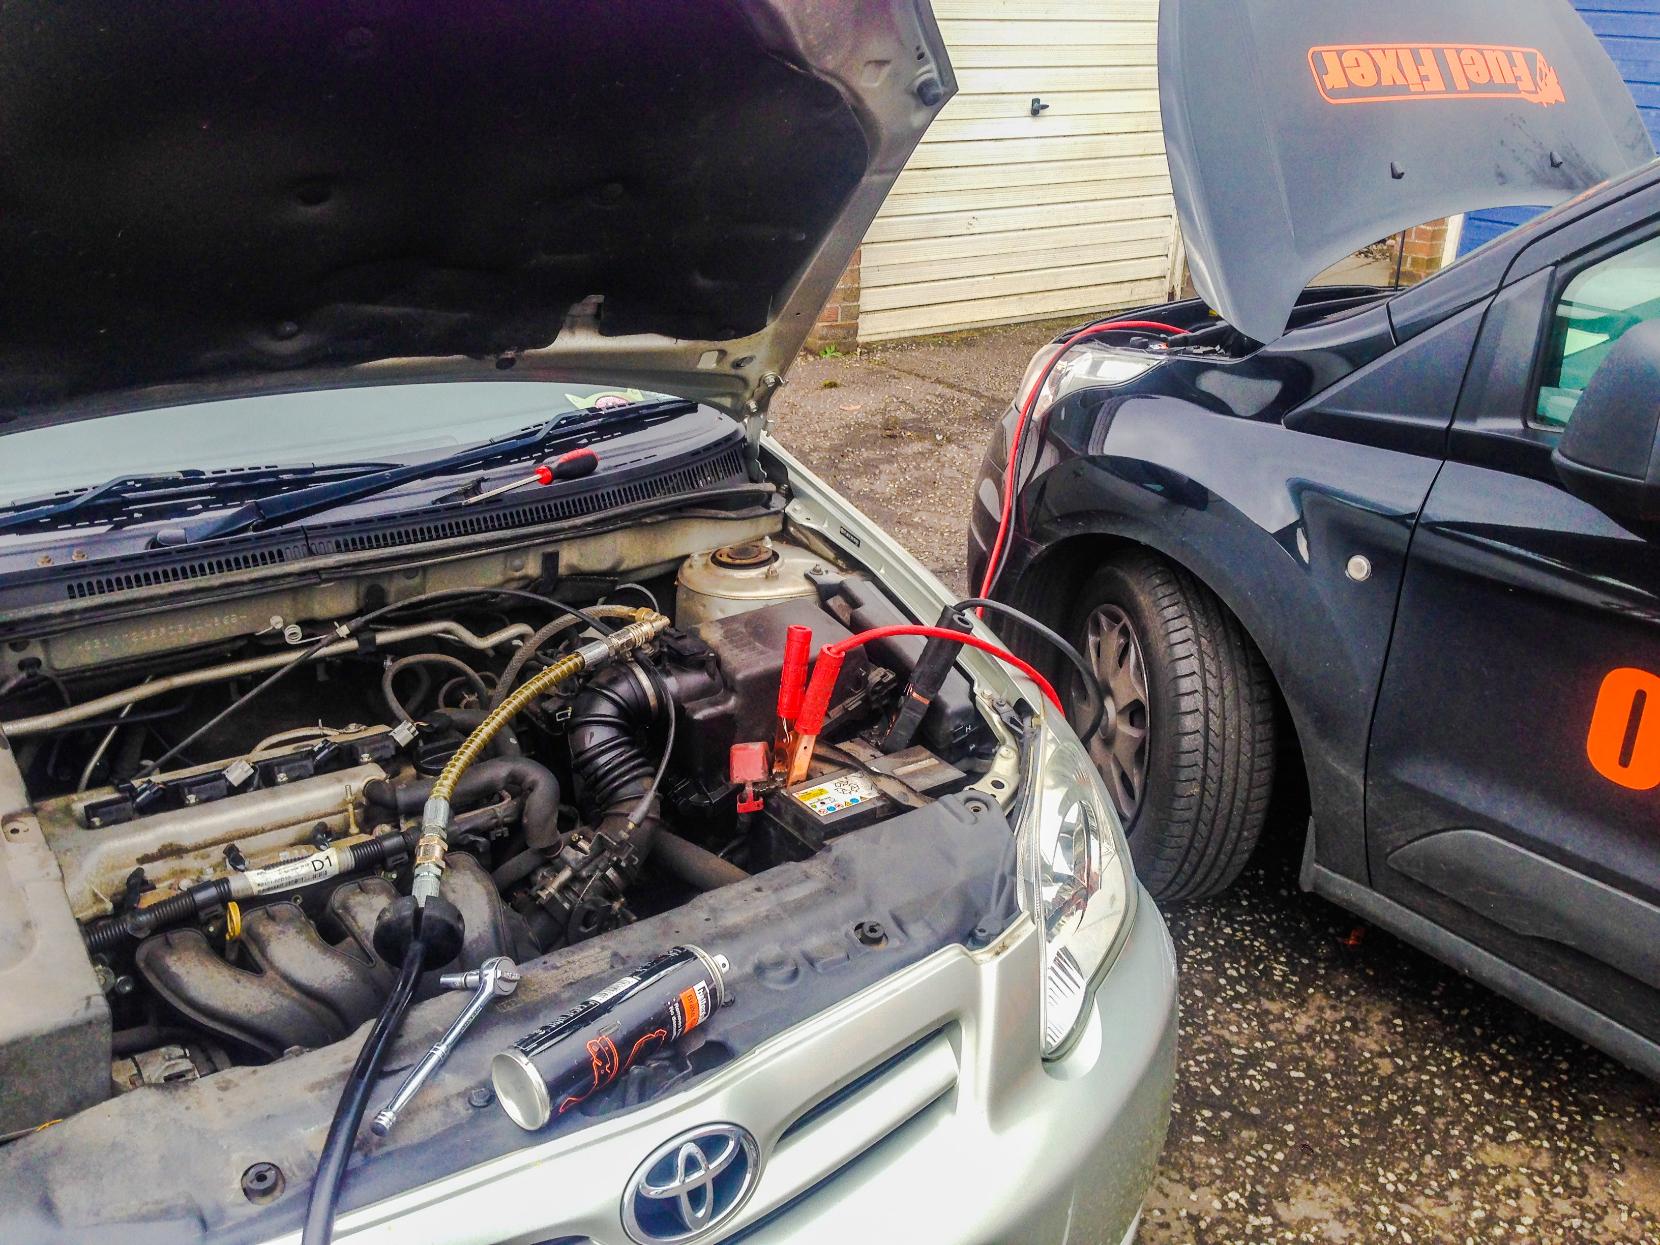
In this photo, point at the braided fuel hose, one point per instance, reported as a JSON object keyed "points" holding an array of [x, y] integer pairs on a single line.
{"points": [[435, 817]]}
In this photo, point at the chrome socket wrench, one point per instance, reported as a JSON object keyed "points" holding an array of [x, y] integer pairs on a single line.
{"points": [[497, 978]]}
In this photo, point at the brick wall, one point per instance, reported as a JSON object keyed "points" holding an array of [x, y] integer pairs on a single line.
{"points": [[838, 323], [1425, 245]]}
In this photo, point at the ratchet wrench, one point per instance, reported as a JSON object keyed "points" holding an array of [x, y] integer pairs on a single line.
{"points": [[497, 978]]}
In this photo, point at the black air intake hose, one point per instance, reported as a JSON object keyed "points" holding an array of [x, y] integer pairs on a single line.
{"points": [[608, 718], [534, 783]]}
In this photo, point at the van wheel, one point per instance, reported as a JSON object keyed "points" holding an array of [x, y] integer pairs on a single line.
{"points": [[1186, 743]]}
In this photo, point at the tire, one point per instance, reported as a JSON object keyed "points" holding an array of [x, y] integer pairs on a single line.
{"points": [[1200, 731]]}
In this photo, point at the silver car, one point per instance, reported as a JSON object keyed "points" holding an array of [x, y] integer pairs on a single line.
{"points": [[427, 693]]}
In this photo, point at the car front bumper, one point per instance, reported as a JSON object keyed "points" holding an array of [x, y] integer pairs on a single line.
{"points": [[1063, 1158], [919, 1110]]}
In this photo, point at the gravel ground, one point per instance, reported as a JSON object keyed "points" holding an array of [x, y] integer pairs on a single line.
{"points": [[1336, 1085]]}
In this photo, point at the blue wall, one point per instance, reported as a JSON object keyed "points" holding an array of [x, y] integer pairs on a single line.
{"points": [[1630, 31]]}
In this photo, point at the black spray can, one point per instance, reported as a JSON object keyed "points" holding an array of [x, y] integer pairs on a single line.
{"points": [[563, 1064]]}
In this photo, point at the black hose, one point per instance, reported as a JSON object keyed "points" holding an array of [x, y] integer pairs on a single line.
{"points": [[517, 868], [1092, 684], [666, 699], [264, 685], [535, 784], [354, 1098], [694, 865], [394, 668], [466, 721], [527, 650], [619, 788], [346, 631]]}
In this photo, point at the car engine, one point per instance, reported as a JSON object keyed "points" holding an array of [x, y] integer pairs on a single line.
{"points": [[226, 844]]}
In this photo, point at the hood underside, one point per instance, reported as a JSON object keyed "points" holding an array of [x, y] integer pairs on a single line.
{"points": [[199, 199], [1299, 133]]}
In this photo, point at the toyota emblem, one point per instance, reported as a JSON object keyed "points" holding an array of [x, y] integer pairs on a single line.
{"points": [[692, 1185]]}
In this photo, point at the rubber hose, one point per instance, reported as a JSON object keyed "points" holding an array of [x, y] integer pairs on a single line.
{"points": [[529, 649], [393, 669], [694, 865], [505, 744], [517, 868], [535, 784], [607, 755], [354, 1099]]}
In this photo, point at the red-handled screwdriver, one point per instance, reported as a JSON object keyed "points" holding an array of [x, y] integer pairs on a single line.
{"points": [[571, 466]]}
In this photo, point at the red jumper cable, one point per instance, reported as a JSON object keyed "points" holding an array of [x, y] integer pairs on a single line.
{"points": [[815, 703], [995, 558], [792, 686]]}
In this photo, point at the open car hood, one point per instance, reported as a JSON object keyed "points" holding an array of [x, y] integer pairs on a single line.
{"points": [[1299, 133], [199, 200]]}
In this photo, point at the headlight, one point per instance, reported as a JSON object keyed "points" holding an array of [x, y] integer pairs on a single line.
{"points": [[1075, 879], [1089, 363]]}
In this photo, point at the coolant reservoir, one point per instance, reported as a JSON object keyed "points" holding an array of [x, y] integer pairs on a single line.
{"points": [[743, 577]]}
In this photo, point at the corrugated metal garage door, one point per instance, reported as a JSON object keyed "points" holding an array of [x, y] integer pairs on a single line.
{"points": [[1003, 216], [1630, 31]]}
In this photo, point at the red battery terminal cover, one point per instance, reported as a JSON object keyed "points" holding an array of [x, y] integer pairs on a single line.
{"points": [[749, 764]]}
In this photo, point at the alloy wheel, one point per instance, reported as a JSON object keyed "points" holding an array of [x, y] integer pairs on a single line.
{"points": [[1119, 747]]}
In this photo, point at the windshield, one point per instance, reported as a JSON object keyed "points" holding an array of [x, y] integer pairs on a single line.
{"points": [[372, 423]]}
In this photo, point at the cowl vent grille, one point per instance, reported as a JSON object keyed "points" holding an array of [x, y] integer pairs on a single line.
{"points": [[718, 460], [716, 470], [179, 572]]}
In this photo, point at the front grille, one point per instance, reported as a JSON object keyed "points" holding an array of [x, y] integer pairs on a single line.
{"points": [[878, 1103]]}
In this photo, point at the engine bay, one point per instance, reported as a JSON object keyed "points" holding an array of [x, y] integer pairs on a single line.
{"points": [[229, 841]]}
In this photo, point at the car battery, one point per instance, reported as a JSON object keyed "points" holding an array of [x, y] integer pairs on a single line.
{"points": [[796, 821]]}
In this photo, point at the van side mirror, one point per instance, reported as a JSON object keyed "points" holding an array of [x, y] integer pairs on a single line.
{"points": [[1610, 454]]}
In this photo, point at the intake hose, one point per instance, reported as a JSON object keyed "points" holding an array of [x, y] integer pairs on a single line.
{"points": [[433, 843], [534, 783], [608, 756]]}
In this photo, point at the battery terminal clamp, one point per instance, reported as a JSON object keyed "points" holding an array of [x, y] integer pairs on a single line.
{"points": [[815, 701]]}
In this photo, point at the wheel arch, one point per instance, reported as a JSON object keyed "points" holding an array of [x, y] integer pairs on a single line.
{"points": [[1043, 589]]}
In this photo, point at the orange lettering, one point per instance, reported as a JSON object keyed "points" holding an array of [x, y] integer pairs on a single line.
{"points": [[1498, 65], [1409, 67], [1456, 65], [1389, 66], [1334, 77], [1523, 76], [1361, 70], [1475, 66], [1428, 68], [1624, 741]]}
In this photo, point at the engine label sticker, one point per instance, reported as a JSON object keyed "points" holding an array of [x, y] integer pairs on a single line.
{"points": [[294, 873], [835, 794], [1624, 740], [1388, 73]]}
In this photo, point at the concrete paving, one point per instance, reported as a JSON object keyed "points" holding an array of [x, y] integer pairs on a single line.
{"points": [[1336, 1085]]}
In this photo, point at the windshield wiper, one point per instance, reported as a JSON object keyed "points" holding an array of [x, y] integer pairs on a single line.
{"points": [[157, 491], [569, 427]]}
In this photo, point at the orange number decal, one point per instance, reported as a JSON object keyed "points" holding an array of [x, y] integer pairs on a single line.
{"points": [[1624, 743]]}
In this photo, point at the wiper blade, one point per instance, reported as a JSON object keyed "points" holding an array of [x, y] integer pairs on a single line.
{"points": [[157, 491], [569, 428]]}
